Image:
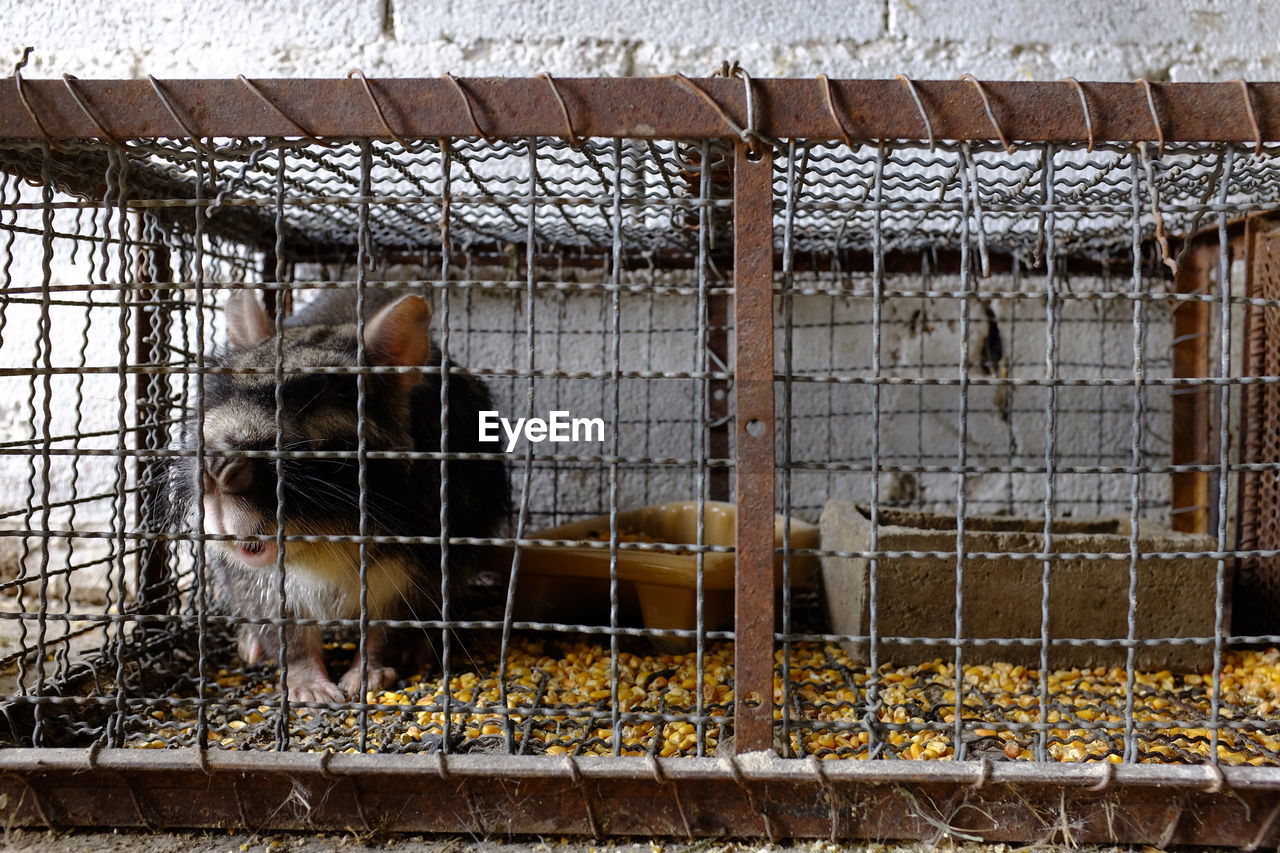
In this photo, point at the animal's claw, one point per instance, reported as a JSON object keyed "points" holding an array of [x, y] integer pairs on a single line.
{"points": [[379, 679], [316, 689], [249, 644]]}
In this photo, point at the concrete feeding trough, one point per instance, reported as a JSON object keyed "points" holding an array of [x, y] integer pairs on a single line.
{"points": [[1088, 597]]}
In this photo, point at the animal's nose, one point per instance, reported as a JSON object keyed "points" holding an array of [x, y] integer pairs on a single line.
{"points": [[229, 476]]}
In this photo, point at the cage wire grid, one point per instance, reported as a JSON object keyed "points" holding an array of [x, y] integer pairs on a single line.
{"points": [[510, 359], [936, 304], [1059, 726]]}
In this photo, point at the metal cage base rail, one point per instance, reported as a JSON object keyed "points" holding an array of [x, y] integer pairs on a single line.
{"points": [[752, 795]]}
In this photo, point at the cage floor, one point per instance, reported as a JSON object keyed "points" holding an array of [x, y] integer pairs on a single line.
{"points": [[560, 700]]}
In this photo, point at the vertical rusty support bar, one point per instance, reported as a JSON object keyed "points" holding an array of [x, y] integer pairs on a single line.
{"points": [[1256, 596], [754, 441], [150, 325], [1192, 406]]}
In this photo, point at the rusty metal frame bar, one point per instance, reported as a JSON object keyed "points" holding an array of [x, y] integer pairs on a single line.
{"points": [[754, 447], [643, 108], [757, 796]]}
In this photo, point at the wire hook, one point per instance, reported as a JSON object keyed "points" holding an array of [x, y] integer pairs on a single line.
{"points": [[924, 115], [173, 112], [302, 131], [356, 73], [1253, 118], [1155, 115], [466, 102], [574, 140], [830, 98], [84, 107], [1084, 107], [991, 116], [26, 104]]}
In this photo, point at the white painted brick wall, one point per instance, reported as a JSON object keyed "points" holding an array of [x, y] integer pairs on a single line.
{"points": [[1018, 39], [657, 22], [160, 29]]}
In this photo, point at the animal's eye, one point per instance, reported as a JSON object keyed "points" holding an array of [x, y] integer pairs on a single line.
{"points": [[345, 392]]}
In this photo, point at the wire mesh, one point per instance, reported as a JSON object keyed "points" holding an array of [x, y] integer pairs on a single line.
{"points": [[976, 344], [1022, 410], [523, 243]]}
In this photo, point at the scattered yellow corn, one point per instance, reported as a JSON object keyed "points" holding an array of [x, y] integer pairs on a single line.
{"points": [[562, 699]]}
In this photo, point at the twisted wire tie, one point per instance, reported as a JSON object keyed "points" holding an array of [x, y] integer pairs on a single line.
{"points": [[829, 789], [748, 135], [730, 762], [660, 776], [575, 776]]}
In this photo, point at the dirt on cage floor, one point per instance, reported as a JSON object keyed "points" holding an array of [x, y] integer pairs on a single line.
{"points": [[561, 696]]}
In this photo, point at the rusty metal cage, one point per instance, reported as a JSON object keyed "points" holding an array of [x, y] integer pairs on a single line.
{"points": [[967, 384]]}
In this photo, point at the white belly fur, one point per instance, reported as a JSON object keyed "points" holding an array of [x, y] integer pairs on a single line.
{"points": [[322, 581]]}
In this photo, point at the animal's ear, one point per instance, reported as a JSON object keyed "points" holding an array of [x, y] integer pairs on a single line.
{"points": [[247, 322], [400, 335]]}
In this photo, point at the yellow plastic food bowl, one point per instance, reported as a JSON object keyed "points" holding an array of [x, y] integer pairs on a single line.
{"points": [[656, 588]]}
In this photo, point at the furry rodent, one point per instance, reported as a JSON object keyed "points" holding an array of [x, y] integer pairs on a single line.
{"points": [[321, 496]]}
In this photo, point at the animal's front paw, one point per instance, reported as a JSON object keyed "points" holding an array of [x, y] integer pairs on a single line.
{"points": [[314, 688], [380, 678], [251, 644]]}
